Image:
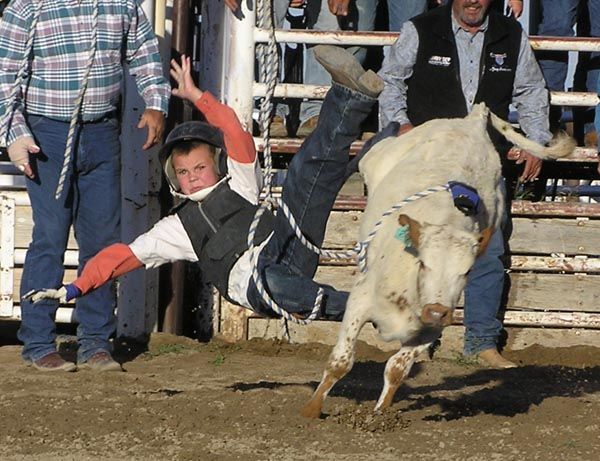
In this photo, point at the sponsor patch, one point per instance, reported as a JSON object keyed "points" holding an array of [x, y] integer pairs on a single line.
{"points": [[499, 59], [443, 61]]}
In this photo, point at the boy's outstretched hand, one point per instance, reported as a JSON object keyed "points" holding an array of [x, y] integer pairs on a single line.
{"points": [[182, 74], [62, 294]]}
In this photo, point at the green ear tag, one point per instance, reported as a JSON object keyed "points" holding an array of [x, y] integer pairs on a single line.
{"points": [[402, 235]]}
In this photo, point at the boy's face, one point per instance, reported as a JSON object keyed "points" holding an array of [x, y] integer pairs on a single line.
{"points": [[196, 170]]}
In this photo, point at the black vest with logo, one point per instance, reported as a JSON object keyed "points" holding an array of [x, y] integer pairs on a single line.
{"points": [[434, 89], [218, 229]]}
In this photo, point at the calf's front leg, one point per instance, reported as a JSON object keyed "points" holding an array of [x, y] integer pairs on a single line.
{"points": [[397, 369], [341, 359]]}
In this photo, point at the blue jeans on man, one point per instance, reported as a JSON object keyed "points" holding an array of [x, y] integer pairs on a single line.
{"points": [[400, 11], [313, 181], [91, 203], [483, 294], [558, 19]]}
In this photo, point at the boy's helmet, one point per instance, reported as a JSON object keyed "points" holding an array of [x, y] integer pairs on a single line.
{"points": [[191, 131]]}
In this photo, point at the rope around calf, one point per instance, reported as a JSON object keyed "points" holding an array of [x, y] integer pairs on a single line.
{"points": [[360, 250]]}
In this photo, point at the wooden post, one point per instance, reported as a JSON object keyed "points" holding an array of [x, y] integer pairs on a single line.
{"points": [[140, 183]]}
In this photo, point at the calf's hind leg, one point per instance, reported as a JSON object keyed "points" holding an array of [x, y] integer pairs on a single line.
{"points": [[340, 361], [397, 369]]}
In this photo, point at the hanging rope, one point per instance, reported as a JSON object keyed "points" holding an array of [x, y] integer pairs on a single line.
{"points": [[78, 103], [268, 66], [12, 101]]}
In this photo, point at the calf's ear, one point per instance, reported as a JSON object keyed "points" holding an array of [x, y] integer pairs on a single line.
{"points": [[414, 228], [484, 239]]}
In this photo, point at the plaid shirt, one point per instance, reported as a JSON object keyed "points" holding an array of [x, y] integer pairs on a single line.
{"points": [[60, 52]]}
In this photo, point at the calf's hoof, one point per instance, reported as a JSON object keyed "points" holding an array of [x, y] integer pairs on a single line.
{"points": [[311, 410]]}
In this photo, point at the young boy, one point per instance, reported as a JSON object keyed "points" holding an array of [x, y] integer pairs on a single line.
{"points": [[214, 167]]}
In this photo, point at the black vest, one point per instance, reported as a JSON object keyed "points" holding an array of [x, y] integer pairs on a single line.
{"points": [[218, 229], [434, 89]]}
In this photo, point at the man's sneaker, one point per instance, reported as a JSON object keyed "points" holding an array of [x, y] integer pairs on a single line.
{"points": [[347, 71], [307, 127], [278, 128], [52, 362], [493, 359], [100, 361]]}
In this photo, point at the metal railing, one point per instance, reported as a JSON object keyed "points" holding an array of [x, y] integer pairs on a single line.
{"points": [[240, 88]]}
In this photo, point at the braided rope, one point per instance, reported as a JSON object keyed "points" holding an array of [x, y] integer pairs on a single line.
{"points": [[360, 250], [268, 60], [23, 69], [78, 103], [258, 280], [363, 246]]}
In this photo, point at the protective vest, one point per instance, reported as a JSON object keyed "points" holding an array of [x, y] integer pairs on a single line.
{"points": [[434, 89], [218, 229]]}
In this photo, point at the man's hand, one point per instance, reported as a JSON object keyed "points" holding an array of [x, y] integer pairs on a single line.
{"points": [[154, 120], [533, 165], [405, 128], [338, 7], [19, 152], [516, 7], [182, 74]]}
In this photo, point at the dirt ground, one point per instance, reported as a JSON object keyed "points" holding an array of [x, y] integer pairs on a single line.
{"points": [[184, 400]]}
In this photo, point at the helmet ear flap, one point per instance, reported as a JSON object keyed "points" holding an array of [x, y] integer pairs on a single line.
{"points": [[221, 162]]}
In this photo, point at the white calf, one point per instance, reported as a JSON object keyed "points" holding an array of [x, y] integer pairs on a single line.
{"points": [[418, 261]]}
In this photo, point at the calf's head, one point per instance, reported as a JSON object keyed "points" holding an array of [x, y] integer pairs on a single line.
{"points": [[445, 256]]}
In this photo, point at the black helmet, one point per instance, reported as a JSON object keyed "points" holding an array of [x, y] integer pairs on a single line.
{"points": [[192, 131]]}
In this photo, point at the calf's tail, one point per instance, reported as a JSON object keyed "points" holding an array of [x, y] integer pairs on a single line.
{"points": [[561, 146]]}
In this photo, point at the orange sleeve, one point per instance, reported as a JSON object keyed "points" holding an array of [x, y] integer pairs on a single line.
{"points": [[238, 142], [108, 264]]}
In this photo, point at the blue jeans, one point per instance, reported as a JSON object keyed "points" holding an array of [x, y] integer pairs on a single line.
{"points": [[400, 11], [483, 294], [313, 181], [557, 19], [91, 202], [314, 73]]}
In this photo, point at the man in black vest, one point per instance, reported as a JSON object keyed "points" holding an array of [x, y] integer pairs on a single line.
{"points": [[443, 63]]}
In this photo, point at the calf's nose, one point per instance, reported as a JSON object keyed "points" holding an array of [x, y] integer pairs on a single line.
{"points": [[436, 315]]}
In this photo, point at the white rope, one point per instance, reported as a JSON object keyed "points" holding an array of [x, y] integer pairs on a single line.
{"points": [[268, 61], [23, 69], [360, 251], [363, 246], [258, 279], [78, 103]]}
